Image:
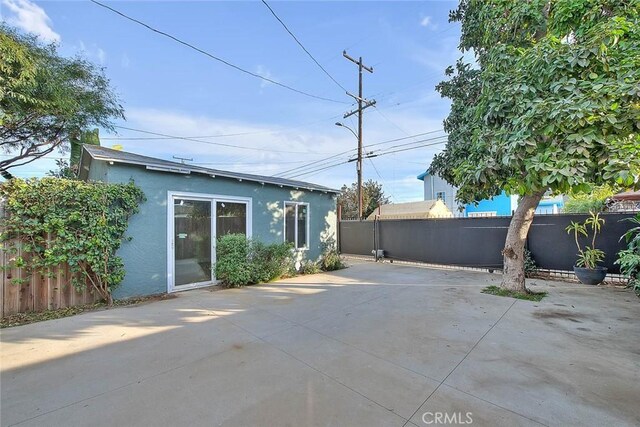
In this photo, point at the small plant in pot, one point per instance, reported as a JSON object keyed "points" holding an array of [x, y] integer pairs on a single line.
{"points": [[586, 268]]}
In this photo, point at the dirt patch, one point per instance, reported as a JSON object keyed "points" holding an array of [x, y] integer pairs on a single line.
{"points": [[18, 319], [559, 314]]}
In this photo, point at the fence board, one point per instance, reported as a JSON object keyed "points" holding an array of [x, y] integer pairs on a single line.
{"points": [[40, 291]]}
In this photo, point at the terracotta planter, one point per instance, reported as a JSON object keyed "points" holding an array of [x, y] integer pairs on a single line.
{"points": [[590, 276]]}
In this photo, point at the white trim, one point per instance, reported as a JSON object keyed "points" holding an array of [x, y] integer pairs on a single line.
{"points": [[284, 218], [213, 199], [205, 171]]}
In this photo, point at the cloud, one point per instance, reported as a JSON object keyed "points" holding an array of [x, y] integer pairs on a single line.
{"points": [[93, 52], [287, 147], [426, 21], [31, 18], [125, 61], [102, 55], [264, 72]]}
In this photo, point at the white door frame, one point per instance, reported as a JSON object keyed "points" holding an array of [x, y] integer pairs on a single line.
{"points": [[213, 199]]}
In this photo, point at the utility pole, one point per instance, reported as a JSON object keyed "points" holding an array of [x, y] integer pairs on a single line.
{"points": [[362, 104]]}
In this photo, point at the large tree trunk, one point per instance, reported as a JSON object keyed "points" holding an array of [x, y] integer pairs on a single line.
{"points": [[513, 252]]}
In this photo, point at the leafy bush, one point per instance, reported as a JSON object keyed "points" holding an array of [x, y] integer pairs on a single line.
{"points": [[530, 267], [55, 221], [232, 260], [594, 201], [331, 261], [269, 262], [241, 261], [629, 259], [310, 267]]}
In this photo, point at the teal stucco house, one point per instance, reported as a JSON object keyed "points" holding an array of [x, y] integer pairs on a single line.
{"points": [[188, 207]]}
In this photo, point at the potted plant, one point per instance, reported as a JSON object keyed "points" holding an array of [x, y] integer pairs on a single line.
{"points": [[586, 268]]}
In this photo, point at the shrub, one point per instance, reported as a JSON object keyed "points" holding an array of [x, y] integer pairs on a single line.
{"points": [[55, 221], [331, 261], [530, 267], [269, 262], [241, 261], [232, 260], [310, 267], [629, 259]]}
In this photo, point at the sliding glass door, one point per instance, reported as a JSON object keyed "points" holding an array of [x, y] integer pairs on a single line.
{"points": [[193, 238], [195, 222]]}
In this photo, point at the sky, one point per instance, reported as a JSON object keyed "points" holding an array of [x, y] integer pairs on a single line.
{"points": [[168, 88]]}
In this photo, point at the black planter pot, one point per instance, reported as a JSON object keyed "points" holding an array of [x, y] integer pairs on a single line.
{"points": [[590, 276]]}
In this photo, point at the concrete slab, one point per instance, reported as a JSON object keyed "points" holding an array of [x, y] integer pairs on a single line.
{"points": [[375, 344]]}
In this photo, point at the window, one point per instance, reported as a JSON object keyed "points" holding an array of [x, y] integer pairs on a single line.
{"points": [[440, 195], [231, 218], [296, 224]]}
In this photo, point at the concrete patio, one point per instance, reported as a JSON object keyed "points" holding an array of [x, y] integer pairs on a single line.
{"points": [[372, 345]]}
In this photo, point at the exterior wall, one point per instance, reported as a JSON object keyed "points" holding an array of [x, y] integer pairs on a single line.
{"points": [[435, 184], [501, 205], [145, 255]]}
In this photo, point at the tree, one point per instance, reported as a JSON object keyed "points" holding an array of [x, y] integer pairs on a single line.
{"points": [[46, 100], [593, 201], [69, 168], [552, 103], [372, 197]]}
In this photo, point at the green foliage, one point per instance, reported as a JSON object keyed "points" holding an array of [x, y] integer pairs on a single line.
{"points": [[593, 201], [530, 267], [552, 103], [63, 171], [589, 257], [528, 295], [331, 260], [629, 259], [47, 100], [232, 260], [269, 262], [241, 261], [55, 221], [372, 197], [90, 137], [310, 267]]}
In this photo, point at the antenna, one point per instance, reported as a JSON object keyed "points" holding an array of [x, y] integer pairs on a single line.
{"points": [[183, 159]]}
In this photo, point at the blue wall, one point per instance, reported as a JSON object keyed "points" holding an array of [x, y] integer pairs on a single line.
{"points": [[500, 204], [145, 256]]}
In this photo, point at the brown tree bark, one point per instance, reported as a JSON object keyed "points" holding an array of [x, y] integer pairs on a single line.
{"points": [[513, 252]]}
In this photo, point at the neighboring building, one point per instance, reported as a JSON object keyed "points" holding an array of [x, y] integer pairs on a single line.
{"points": [[411, 210], [436, 188], [500, 205], [188, 207]]}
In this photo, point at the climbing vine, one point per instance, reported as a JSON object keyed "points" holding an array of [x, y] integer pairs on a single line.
{"points": [[52, 221]]}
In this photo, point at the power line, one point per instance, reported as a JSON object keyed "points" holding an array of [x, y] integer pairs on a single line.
{"points": [[350, 150], [302, 46], [216, 58], [269, 150], [369, 156]]}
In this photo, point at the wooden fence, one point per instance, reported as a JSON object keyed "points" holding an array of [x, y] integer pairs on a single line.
{"points": [[39, 292]]}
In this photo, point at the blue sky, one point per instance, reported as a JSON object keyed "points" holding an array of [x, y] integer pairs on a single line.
{"points": [[168, 88]]}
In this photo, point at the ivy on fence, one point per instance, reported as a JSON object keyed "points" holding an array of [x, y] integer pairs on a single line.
{"points": [[52, 221]]}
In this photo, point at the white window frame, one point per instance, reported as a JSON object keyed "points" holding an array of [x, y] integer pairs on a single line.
{"points": [[444, 196], [284, 220], [213, 199]]}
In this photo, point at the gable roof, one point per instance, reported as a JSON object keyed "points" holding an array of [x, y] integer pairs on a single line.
{"points": [[152, 163]]}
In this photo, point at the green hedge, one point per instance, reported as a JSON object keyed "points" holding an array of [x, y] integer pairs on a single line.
{"points": [[55, 221], [241, 261]]}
